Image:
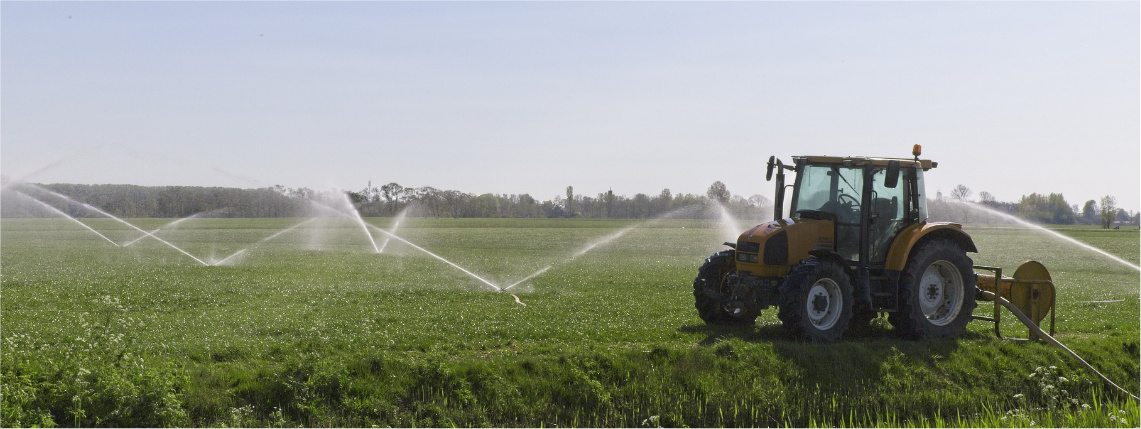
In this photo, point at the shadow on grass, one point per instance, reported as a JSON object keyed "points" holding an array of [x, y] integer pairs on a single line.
{"points": [[862, 357]]}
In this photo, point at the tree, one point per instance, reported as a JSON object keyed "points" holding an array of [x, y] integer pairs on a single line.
{"points": [[987, 198], [609, 203], [1051, 208], [392, 193], [717, 192], [1061, 212], [1090, 213], [356, 197], [640, 206], [1108, 211], [961, 193], [663, 202], [761, 201], [1123, 216], [570, 200]]}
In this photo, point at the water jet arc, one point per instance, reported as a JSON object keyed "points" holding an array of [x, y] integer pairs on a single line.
{"points": [[156, 230], [441, 258], [97, 210], [597, 243], [395, 224], [60, 212], [1053, 233], [271, 237], [729, 224], [533, 275], [360, 221]]}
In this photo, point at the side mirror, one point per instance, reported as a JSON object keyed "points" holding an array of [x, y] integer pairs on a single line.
{"points": [[891, 179], [769, 172]]}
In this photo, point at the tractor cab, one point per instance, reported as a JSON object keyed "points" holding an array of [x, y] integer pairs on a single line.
{"points": [[869, 200]]}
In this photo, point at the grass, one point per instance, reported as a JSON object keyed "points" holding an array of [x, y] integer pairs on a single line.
{"points": [[313, 328]]}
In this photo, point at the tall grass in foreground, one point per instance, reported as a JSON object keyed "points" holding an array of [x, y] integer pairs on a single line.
{"points": [[731, 382]]}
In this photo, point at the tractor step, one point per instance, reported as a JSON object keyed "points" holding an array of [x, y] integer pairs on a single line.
{"points": [[883, 293]]}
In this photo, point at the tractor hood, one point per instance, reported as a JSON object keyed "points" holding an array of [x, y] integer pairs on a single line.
{"points": [[771, 248]]}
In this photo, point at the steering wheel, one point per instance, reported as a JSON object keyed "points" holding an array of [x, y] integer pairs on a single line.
{"points": [[849, 201], [847, 207]]}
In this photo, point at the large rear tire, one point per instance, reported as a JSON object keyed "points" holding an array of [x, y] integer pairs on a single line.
{"points": [[936, 292], [711, 286], [816, 301]]}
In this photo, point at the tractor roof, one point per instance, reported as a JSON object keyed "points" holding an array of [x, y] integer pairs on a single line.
{"points": [[858, 161]]}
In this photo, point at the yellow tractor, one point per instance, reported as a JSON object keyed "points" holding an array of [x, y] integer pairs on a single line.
{"points": [[857, 243]]}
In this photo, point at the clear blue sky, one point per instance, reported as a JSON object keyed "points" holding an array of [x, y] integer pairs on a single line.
{"points": [[1010, 98]]}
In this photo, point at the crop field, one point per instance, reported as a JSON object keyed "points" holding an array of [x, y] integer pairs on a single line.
{"points": [[276, 322]]}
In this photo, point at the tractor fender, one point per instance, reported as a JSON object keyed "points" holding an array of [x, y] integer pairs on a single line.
{"points": [[901, 247]]}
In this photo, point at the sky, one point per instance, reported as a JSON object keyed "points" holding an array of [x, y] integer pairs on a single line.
{"points": [[1009, 98]]}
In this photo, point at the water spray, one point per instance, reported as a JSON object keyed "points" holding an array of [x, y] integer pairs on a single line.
{"points": [[355, 215], [223, 261], [729, 224], [360, 221], [156, 230], [577, 254], [441, 258], [604, 240], [327, 208], [395, 224], [97, 210], [60, 212], [533, 275], [271, 237], [365, 226], [1053, 233], [597, 243]]}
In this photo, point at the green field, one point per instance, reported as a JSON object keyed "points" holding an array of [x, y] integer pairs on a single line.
{"points": [[314, 328]]}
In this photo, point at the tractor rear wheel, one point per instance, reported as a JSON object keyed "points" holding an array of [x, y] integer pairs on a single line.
{"points": [[816, 301], [711, 288], [936, 292]]}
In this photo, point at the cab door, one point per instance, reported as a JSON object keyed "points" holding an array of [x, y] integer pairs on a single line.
{"points": [[887, 215]]}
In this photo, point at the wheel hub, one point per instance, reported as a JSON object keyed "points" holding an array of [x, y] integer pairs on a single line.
{"points": [[941, 292], [820, 303], [823, 304]]}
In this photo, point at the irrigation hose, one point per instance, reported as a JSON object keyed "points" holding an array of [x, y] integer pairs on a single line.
{"points": [[1043, 335]]}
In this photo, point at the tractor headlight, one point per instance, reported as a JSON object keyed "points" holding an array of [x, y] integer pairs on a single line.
{"points": [[748, 246], [747, 257]]}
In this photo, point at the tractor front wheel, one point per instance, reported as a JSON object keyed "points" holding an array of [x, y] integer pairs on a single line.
{"points": [[936, 292], [711, 289], [816, 301]]}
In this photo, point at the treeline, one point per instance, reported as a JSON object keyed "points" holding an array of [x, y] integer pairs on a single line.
{"points": [[149, 201], [134, 201], [1038, 208], [391, 199]]}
